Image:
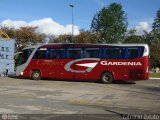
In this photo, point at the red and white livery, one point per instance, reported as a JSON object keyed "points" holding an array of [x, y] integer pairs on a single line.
{"points": [[105, 62]]}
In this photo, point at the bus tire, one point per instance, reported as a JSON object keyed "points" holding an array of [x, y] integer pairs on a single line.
{"points": [[36, 75], [107, 78]]}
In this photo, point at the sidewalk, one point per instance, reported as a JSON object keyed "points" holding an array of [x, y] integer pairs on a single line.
{"points": [[152, 78]]}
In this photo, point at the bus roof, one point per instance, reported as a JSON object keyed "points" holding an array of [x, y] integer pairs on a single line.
{"points": [[81, 45]]}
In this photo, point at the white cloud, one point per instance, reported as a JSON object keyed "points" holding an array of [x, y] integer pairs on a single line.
{"points": [[142, 26], [13, 24], [46, 26]]}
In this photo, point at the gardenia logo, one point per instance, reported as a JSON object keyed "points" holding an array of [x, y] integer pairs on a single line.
{"points": [[93, 63], [121, 63]]}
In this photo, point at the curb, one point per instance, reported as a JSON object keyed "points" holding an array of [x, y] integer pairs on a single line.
{"points": [[154, 78]]}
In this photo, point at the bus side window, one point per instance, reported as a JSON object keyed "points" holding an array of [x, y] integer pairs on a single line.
{"points": [[107, 53], [74, 53], [123, 50], [113, 53], [140, 51], [92, 53], [56, 53], [40, 54], [133, 52]]}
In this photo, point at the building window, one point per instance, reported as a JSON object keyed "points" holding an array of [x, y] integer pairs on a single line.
{"points": [[6, 56], [7, 49], [2, 56], [2, 49]]}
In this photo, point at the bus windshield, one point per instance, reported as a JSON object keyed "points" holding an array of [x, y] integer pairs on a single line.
{"points": [[24, 55]]}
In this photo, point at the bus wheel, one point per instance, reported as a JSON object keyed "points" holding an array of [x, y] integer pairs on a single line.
{"points": [[36, 75], [107, 78]]}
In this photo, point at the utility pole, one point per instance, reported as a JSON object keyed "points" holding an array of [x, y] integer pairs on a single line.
{"points": [[73, 41]]}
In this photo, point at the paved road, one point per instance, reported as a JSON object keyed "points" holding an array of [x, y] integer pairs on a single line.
{"points": [[85, 100]]}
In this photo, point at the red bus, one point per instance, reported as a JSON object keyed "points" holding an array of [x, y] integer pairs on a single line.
{"points": [[105, 62]]}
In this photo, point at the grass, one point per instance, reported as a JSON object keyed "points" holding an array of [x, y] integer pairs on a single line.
{"points": [[155, 75]]}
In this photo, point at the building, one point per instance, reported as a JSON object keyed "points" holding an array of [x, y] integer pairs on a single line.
{"points": [[7, 55]]}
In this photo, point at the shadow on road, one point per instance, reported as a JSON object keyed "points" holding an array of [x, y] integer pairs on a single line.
{"points": [[76, 80], [124, 82]]}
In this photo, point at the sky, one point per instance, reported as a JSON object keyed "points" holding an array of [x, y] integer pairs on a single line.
{"points": [[54, 17]]}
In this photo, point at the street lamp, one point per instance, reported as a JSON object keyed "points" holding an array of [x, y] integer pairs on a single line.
{"points": [[72, 24]]}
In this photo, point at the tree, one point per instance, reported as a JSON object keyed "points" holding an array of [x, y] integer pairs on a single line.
{"points": [[156, 23], [24, 35], [87, 37], [83, 37], [110, 23], [9, 31], [155, 44], [63, 39], [132, 37]]}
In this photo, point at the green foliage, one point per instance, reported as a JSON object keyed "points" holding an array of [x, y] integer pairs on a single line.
{"points": [[24, 35], [83, 37], [155, 44], [134, 39], [110, 23], [156, 23], [131, 37], [63, 39], [87, 37], [155, 54], [154, 75]]}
